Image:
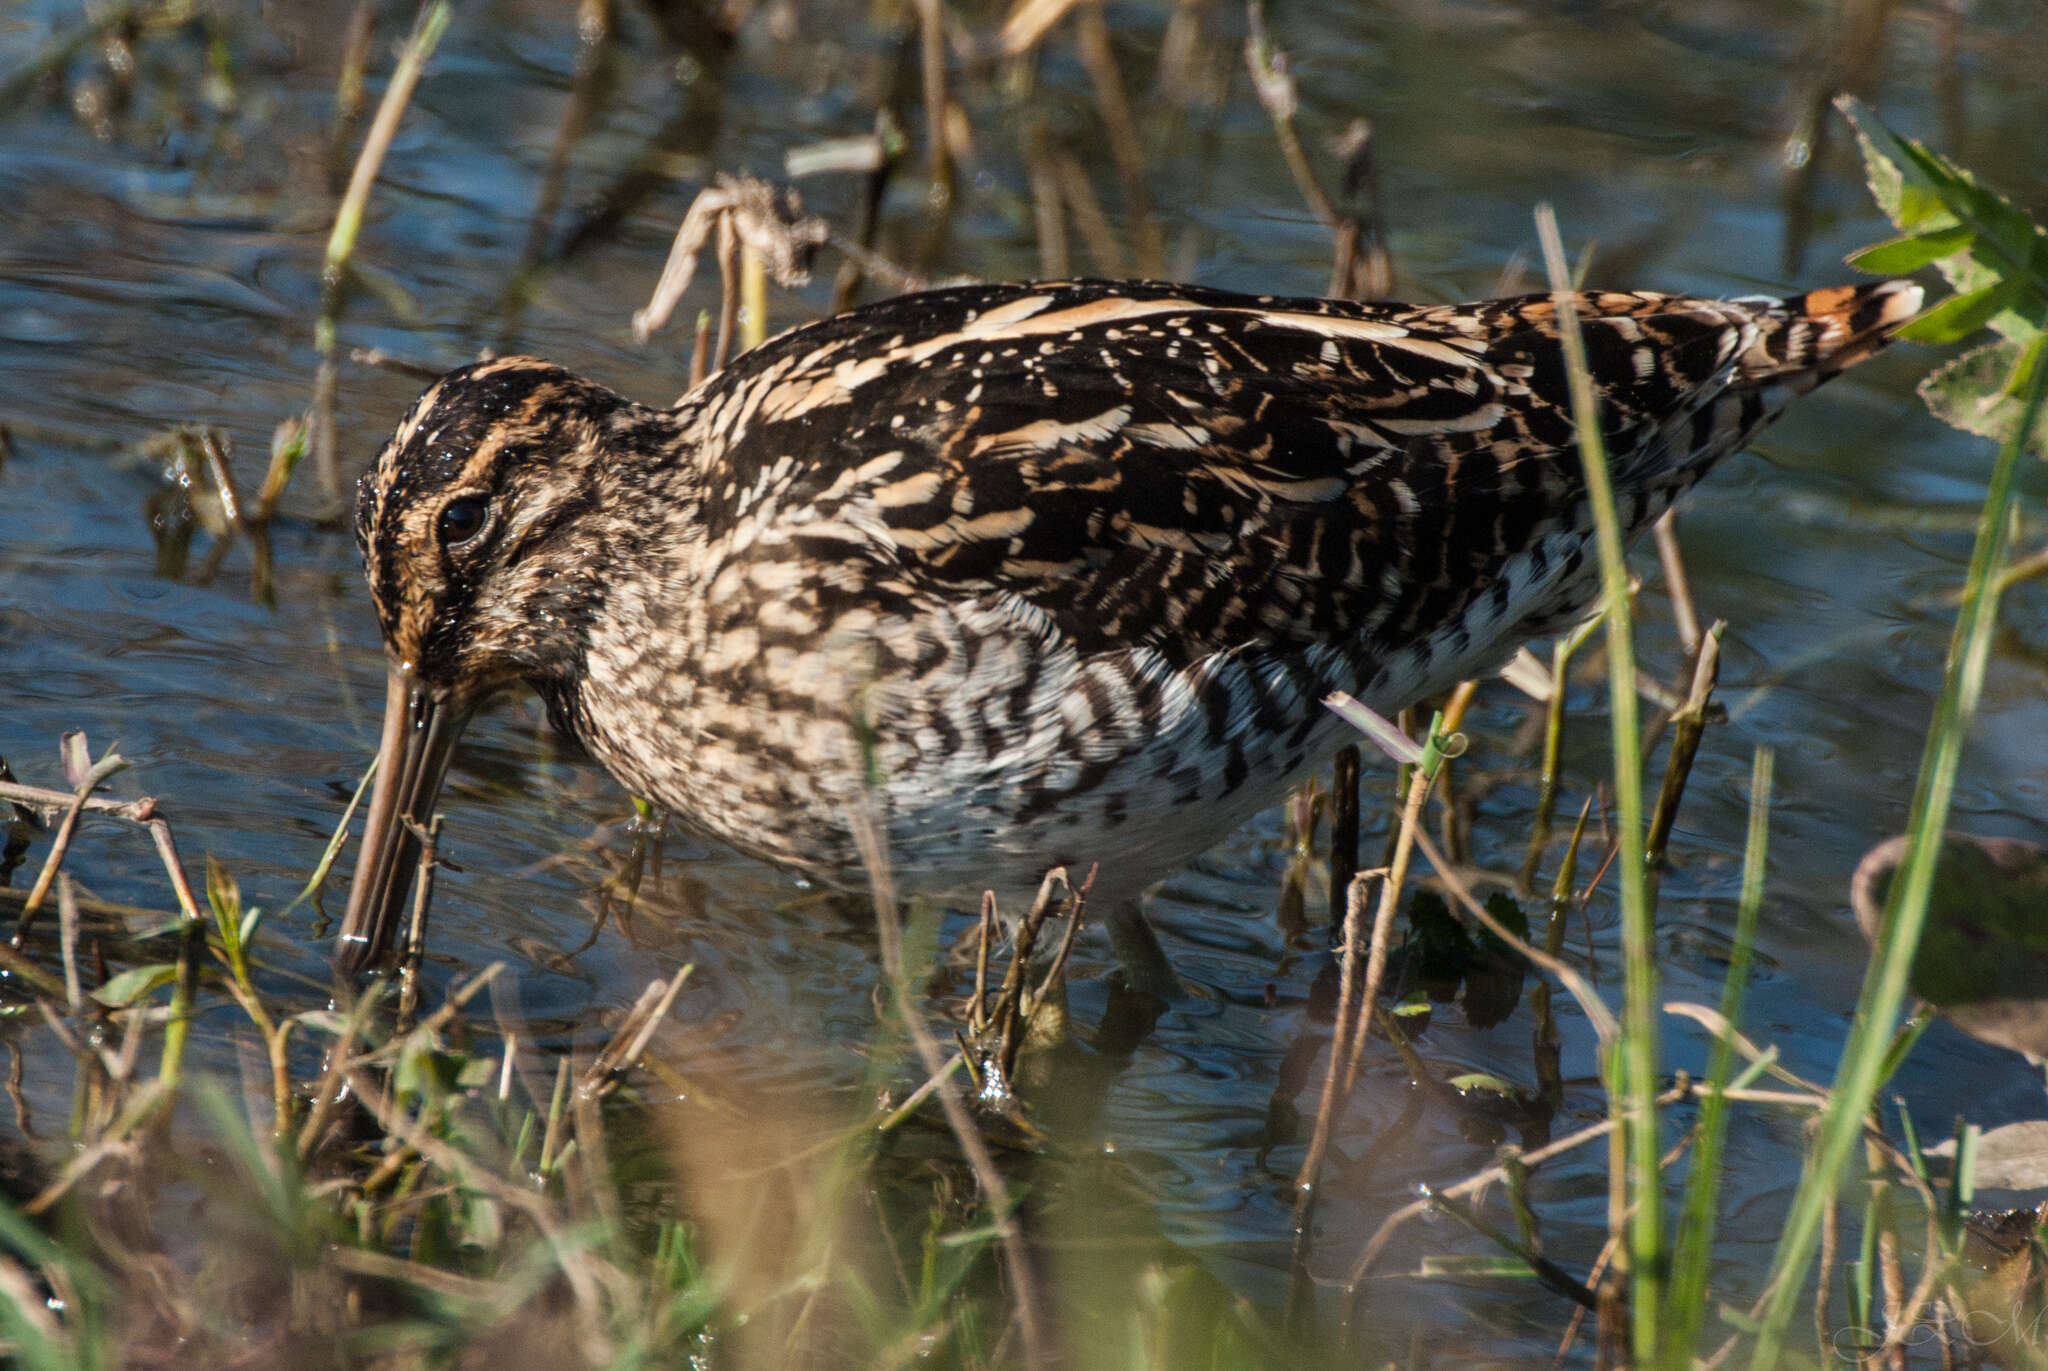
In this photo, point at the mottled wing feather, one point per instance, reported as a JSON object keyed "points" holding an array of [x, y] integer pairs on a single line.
{"points": [[1200, 472]]}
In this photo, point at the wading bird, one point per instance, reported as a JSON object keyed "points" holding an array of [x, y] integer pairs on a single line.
{"points": [[1048, 574]]}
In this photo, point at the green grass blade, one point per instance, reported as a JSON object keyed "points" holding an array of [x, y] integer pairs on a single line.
{"points": [[1686, 1301], [1635, 1068], [1884, 986]]}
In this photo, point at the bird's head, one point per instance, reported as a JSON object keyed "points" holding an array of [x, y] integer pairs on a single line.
{"points": [[483, 529], [473, 525]]}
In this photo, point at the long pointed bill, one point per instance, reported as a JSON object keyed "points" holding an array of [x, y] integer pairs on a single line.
{"points": [[412, 760]]}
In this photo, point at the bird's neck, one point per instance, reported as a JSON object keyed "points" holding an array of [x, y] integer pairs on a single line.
{"points": [[643, 594]]}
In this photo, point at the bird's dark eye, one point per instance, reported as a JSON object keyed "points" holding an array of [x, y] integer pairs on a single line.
{"points": [[461, 520]]}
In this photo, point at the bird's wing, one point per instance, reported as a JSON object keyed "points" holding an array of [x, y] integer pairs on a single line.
{"points": [[1200, 471]]}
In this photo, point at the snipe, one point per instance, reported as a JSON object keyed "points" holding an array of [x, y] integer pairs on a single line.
{"points": [[1054, 573]]}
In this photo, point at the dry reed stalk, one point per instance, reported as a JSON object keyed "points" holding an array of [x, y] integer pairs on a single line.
{"points": [[596, 28], [348, 220], [415, 948], [633, 1035], [1343, 829], [728, 292], [1363, 266], [938, 105], [1048, 205], [700, 350], [1028, 24], [141, 811], [67, 917], [1685, 616], [1098, 55], [1360, 267], [1688, 724], [1595, 1277], [348, 88], [1031, 1327], [1551, 769], [739, 209], [1079, 194], [1349, 1033], [1470, 1187]]}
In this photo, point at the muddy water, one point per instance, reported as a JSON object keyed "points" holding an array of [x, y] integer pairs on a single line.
{"points": [[160, 247]]}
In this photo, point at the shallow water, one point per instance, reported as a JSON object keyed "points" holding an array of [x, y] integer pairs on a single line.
{"points": [[168, 272]]}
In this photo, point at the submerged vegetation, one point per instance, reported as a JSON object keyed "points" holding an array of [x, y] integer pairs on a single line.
{"points": [[413, 1176]]}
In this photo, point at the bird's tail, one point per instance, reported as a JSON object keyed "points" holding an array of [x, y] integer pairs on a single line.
{"points": [[1783, 349], [1804, 340]]}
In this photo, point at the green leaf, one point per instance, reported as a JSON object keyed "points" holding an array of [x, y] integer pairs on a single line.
{"points": [[1477, 1267], [134, 983], [1977, 391], [2022, 378], [1439, 950], [322, 1020], [33, 1342], [1922, 192], [1480, 1080], [1493, 983], [1880, 172], [168, 925], [1922, 208], [225, 896], [1984, 956], [1897, 256], [1502, 906], [424, 1074], [1959, 316]]}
